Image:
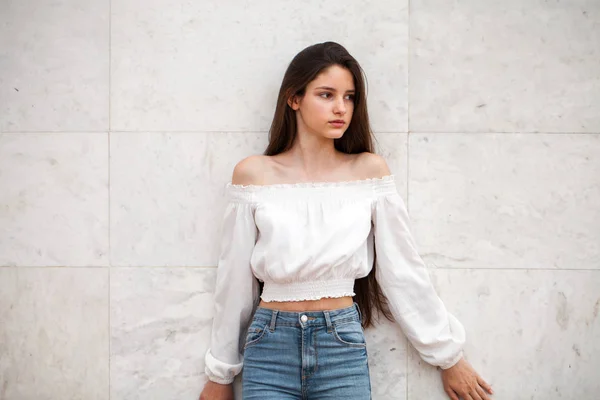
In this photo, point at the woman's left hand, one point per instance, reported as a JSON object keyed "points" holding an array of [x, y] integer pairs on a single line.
{"points": [[461, 381]]}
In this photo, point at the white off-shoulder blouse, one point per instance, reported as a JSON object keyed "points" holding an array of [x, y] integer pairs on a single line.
{"points": [[308, 241]]}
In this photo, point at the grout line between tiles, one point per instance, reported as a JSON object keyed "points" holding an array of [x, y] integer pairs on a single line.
{"points": [[56, 266], [106, 266], [109, 64], [214, 267], [142, 131], [49, 131], [501, 132], [408, 67], [109, 184], [511, 269], [407, 154], [407, 174], [110, 265], [406, 346]]}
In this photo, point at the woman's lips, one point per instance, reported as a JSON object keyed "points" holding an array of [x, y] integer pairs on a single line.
{"points": [[337, 124]]}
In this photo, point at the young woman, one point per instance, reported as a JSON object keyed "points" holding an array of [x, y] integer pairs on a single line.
{"points": [[309, 225]]}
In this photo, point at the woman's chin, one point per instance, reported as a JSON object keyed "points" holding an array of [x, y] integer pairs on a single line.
{"points": [[335, 134]]}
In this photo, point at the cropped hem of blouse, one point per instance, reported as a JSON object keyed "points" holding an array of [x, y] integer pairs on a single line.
{"points": [[312, 240], [308, 290]]}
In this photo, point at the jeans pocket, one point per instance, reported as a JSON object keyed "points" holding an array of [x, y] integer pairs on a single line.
{"points": [[255, 333], [350, 334]]}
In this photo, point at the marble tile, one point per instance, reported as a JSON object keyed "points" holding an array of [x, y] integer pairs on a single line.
{"points": [[54, 333], [54, 199], [530, 333], [393, 147], [506, 201], [167, 195], [160, 324], [54, 65], [387, 352], [200, 66], [504, 66]]}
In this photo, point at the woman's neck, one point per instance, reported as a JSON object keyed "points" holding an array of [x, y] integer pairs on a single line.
{"points": [[314, 157]]}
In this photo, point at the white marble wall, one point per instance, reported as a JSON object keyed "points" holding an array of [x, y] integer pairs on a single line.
{"points": [[121, 120]]}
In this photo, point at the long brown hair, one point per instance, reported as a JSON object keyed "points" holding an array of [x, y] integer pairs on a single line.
{"points": [[358, 138]]}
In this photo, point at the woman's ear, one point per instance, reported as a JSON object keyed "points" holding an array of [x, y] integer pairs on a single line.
{"points": [[294, 102]]}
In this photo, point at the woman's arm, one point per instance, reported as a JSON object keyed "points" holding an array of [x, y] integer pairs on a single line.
{"points": [[236, 292], [435, 333]]}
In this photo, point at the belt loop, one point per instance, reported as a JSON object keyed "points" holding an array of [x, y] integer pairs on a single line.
{"points": [[328, 320], [273, 319], [359, 312]]}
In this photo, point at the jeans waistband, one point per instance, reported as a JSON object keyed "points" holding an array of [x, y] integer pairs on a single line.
{"points": [[308, 318]]}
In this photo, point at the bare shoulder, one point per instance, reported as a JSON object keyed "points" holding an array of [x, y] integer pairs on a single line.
{"points": [[372, 165], [250, 171]]}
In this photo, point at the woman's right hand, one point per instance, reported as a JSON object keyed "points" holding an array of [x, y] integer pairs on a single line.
{"points": [[216, 391]]}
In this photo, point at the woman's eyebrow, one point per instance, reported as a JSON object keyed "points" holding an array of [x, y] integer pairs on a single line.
{"points": [[333, 89]]}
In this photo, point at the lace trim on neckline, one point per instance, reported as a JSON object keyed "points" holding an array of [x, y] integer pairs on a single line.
{"points": [[323, 184]]}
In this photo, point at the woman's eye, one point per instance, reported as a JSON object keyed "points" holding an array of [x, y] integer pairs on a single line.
{"points": [[328, 95]]}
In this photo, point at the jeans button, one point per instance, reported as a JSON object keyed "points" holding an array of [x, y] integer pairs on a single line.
{"points": [[303, 318]]}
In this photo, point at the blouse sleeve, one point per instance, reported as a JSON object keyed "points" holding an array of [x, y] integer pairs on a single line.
{"points": [[436, 334], [236, 293]]}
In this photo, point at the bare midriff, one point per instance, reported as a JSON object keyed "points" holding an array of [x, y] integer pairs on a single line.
{"points": [[309, 305]]}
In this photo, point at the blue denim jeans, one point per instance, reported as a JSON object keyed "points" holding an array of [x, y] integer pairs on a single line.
{"points": [[306, 355]]}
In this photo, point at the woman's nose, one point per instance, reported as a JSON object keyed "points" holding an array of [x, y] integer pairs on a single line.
{"points": [[340, 107]]}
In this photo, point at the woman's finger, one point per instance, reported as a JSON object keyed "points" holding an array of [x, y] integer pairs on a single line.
{"points": [[481, 393], [484, 385], [451, 394], [474, 395]]}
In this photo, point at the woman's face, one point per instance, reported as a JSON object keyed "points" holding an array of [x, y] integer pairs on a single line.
{"points": [[327, 105]]}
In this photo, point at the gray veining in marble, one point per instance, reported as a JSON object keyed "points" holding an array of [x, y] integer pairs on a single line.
{"points": [[53, 333], [506, 201], [54, 61], [504, 66], [387, 351], [160, 322], [531, 334], [54, 199]]}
